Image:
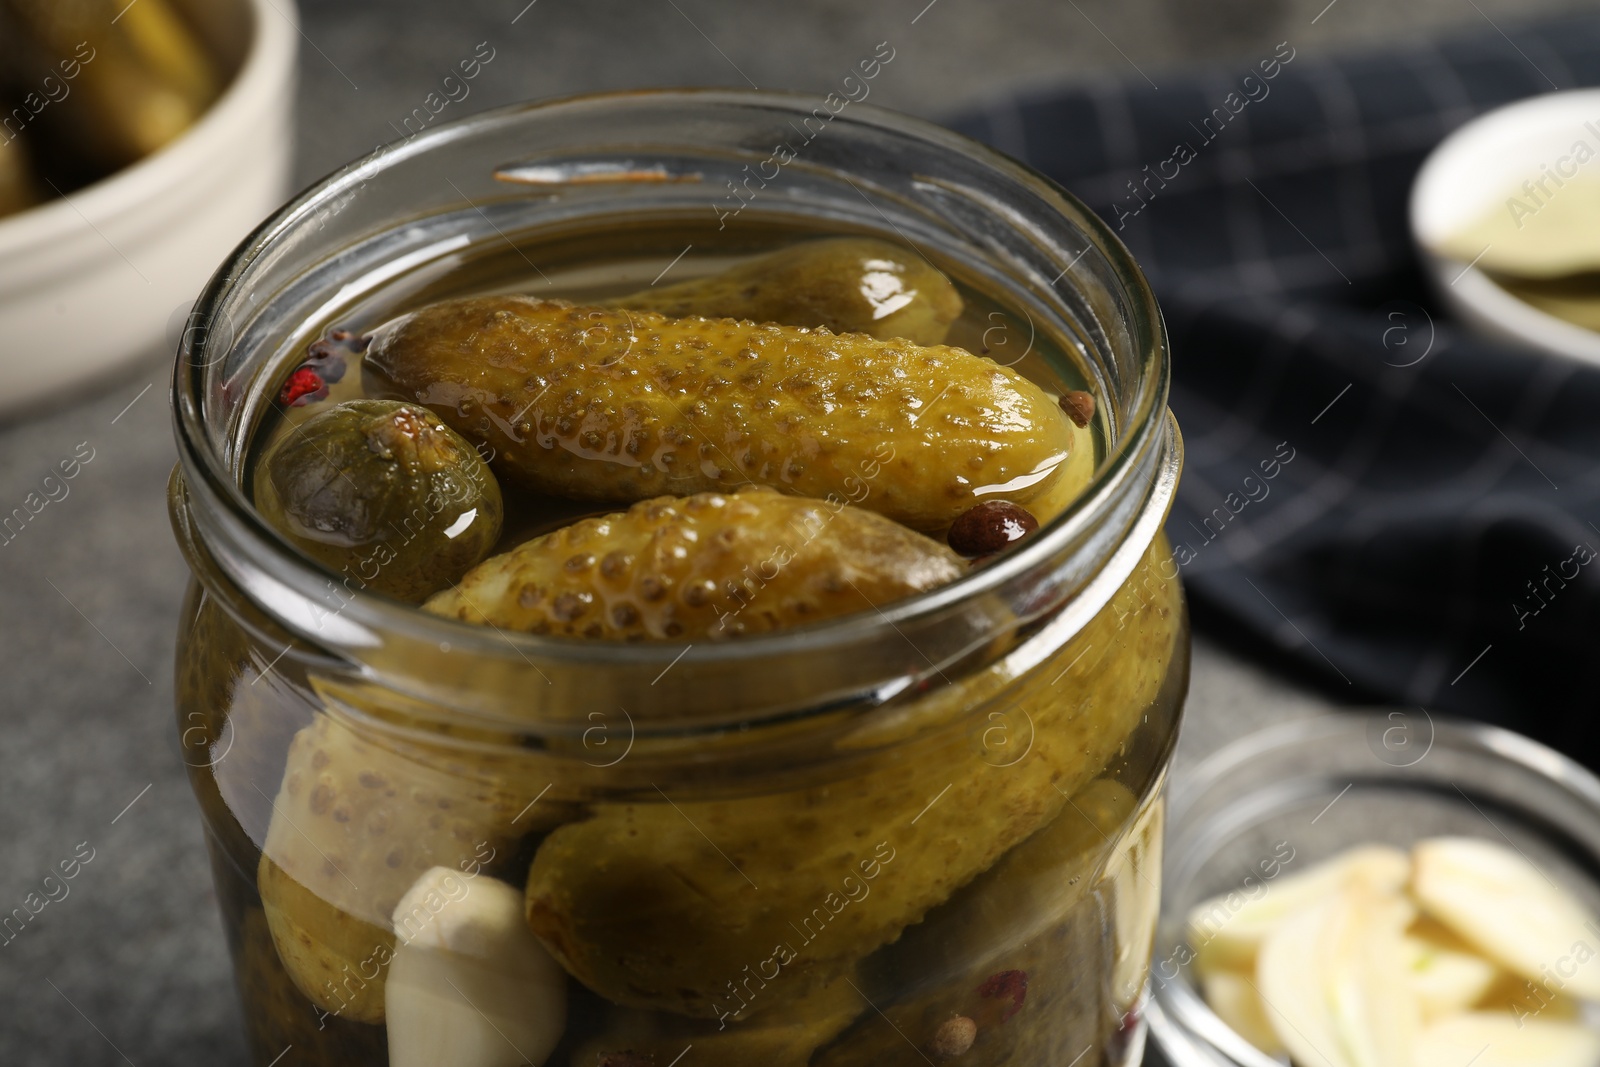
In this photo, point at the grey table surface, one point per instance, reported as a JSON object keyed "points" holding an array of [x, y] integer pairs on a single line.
{"points": [[131, 966]]}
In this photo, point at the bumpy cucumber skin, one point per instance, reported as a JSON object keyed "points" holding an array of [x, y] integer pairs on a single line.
{"points": [[383, 493], [711, 565], [355, 822], [640, 906], [847, 284], [615, 405]]}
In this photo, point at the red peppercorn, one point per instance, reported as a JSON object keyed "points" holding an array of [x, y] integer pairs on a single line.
{"points": [[302, 383], [1006, 985]]}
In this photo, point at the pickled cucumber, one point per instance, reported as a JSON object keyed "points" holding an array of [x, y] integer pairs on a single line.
{"points": [[667, 905], [17, 187], [846, 284], [356, 821], [1008, 950], [278, 1015], [711, 565], [141, 77], [384, 493], [776, 1039], [616, 405]]}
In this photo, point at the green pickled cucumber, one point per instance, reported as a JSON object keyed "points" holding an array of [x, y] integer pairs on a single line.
{"points": [[17, 187], [277, 1015], [784, 1038], [384, 493], [846, 284], [356, 821], [707, 566], [1019, 951], [140, 75], [665, 903], [617, 405]]}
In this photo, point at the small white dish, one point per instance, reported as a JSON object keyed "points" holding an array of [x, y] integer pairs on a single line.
{"points": [[1476, 168], [107, 274]]}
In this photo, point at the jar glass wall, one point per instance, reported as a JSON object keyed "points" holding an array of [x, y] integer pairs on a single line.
{"points": [[926, 831]]}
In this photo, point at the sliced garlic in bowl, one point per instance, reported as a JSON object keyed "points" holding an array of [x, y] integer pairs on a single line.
{"points": [[1500, 902], [1486, 1039], [1227, 936], [1354, 960], [1326, 907]]}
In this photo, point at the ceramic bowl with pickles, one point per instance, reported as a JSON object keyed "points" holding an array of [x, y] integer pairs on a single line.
{"points": [[1505, 214], [678, 580], [139, 142]]}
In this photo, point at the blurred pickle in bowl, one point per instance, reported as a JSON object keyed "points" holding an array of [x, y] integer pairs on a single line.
{"points": [[17, 188], [92, 86]]}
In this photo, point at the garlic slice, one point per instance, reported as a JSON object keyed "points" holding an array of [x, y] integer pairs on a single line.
{"points": [[1445, 973], [1496, 1039], [1234, 998], [469, 984], [1511, 911], [1333, 981], [1227, 931]]}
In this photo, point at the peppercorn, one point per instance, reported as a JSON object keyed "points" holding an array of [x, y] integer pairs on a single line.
{"points": [[954, 1037], [989, 527], [1079, 406]]}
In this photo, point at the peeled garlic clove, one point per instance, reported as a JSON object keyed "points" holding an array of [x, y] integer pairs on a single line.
{"points": [[1132, 875], [1493, 1039], [1332, 979], [1235, 1000], [1511, 911], [1375, 1010], [1447, 976], [469, 984], [1227, 931], [1289, 975]]}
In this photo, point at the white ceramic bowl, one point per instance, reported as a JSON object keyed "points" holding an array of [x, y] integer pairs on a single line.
{"points": [[108, 273], [1475, 169]]}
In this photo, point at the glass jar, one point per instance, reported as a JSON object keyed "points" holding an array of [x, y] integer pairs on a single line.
{"points": [[927, 832]]}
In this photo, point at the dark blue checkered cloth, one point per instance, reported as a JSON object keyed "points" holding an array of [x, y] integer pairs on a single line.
{"points": [[1429, 534]]}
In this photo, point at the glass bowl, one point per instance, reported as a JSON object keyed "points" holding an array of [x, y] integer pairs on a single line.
{"points": [[1305, 791]]}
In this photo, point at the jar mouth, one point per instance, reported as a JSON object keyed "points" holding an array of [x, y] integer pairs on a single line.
{"points": [[1040, 232]]}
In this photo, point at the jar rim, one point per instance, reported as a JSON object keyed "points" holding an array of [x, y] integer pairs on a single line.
{"points": [[1139, 469]]}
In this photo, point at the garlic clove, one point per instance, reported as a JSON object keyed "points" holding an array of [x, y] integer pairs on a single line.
{"points": [[1333, 981], [1447, 975], [1495, 1039], [1234, 998], [1289, 976], [1228, 930], [1500, 903], [1375, 1009], [469, 984]]}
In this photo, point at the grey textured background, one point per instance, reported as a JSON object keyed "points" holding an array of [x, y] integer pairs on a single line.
{"points": [[131, 966]]}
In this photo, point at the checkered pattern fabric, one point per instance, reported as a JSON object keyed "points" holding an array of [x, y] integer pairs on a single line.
{"points": [[1405, 512]]}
